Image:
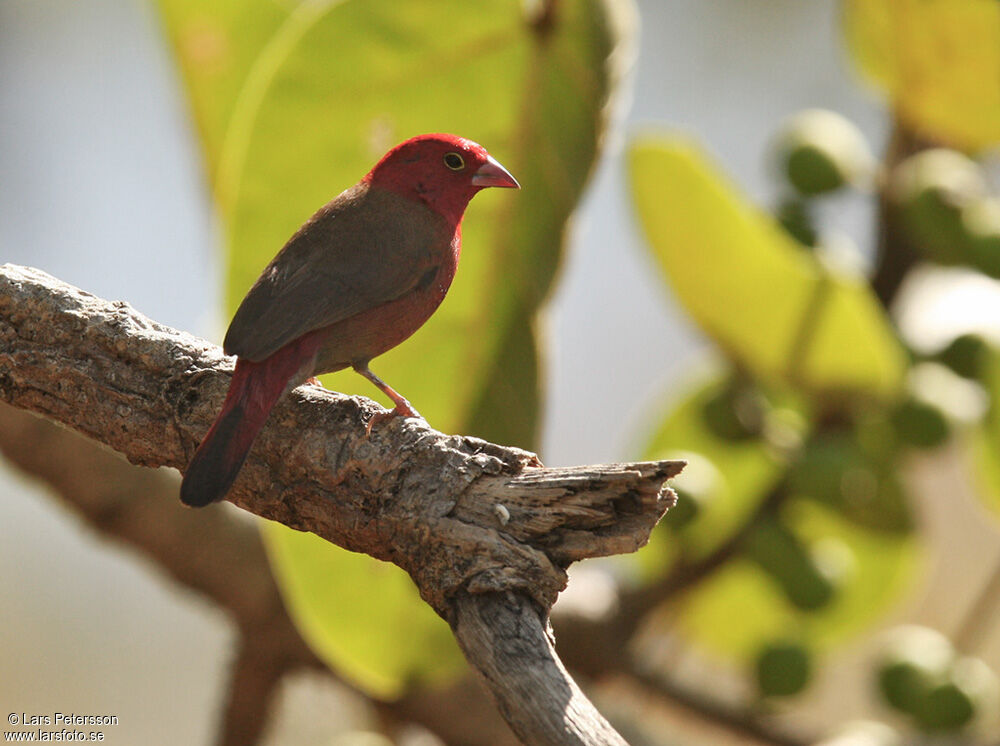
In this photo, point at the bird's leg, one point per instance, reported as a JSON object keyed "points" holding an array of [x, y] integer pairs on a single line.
{"points": [[403, 408], [314, 381]]}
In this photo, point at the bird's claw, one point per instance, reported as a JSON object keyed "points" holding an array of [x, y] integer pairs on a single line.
{"points": [[400, 410]]}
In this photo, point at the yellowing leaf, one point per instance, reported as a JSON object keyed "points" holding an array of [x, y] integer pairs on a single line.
{"points": [[938, 62], [767, 303]]}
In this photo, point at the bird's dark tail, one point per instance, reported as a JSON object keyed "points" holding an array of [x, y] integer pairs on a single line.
{"points": [[221, 454], [253, 392]]}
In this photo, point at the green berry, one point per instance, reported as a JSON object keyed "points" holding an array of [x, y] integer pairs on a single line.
{"points": [[793, 214], [820, 151], [904, 684], [931, 190], [946, 706], [916, 660], [783, 668], [966, 355], [981, 221], [920, 424]]}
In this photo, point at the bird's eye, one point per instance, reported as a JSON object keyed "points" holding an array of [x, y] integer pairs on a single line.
{"points": [[454, 161]]}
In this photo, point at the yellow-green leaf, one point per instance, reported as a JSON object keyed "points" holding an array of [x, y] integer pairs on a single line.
{"points": [[362, 615], [318, 92], [767, 303], [535, 101], [938, 62], [216, 44]]}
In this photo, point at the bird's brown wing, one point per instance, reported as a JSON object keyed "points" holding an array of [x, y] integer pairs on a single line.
{"points": [[365, 248]]}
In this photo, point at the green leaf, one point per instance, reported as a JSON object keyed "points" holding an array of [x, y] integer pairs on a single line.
{"points": [[870, 570], [938, 62], [769, 305], [362, 615], [315, 93]]}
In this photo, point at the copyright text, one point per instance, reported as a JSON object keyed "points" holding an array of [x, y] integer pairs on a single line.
{"points": [[35, 727]]}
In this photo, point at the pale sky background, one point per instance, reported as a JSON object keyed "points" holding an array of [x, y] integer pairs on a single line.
{"points": [[101, 186]]}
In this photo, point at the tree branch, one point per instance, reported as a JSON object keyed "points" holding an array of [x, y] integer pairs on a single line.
{"points": [[479, 527], [895, 255], [205, 551], [742, 723]]}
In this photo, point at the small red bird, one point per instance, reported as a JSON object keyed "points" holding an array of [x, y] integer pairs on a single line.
{"points": [[363, 274]]}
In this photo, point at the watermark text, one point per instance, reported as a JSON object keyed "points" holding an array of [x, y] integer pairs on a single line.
{"points": [[57, 727]]}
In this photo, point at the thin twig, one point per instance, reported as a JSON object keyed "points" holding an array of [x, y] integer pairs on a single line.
{"points": [[740, 722], [894, 256]]}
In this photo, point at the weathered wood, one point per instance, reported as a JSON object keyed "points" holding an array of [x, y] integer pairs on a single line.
{"points": [[469, 520], [507, 638]]}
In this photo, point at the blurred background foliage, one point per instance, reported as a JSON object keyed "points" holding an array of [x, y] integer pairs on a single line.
{"points": [[801, 437], [803, 523], [797, 528]]}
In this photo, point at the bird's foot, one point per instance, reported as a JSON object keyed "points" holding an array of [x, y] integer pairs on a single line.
{"points": [[402, 409], [314, 381]]}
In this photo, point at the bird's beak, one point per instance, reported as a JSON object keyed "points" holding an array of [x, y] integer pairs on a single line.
{"points": [[492, 174]]}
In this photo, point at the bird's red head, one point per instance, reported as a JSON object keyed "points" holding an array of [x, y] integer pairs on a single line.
{"points": [[443, 171]]}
